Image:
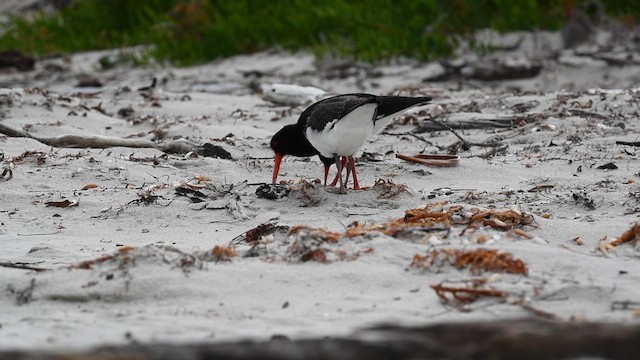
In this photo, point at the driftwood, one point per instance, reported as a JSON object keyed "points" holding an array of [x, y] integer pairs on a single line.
{"points": [[499, 123], [21, 266], [496, 147], [500, 70], [103, 142], [628, 143], [487, 70], [587, 114], [519, 339]]}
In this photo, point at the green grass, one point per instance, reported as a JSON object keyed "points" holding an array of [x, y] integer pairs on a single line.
{"points": [[192, 31]]}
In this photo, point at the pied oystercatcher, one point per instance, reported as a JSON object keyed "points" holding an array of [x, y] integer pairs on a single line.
{"points": [[338, 126]]}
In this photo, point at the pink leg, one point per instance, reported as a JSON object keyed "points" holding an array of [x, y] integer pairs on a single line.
{"points": [[343, 160], [340, 164], [356, 185]]}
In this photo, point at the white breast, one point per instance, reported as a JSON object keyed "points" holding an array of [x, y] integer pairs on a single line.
{"points": [[344, 137]]}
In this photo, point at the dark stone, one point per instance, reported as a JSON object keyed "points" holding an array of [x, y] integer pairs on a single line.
{"points": [[17, 60], [210, 150], [607, 166], [89, 81]]}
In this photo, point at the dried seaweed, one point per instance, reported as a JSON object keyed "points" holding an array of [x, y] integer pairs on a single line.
{"points": [[62, 204], [630, 235], [318, 255], [310, 193], [146, 198], [522, 233], [478, 260], [431, 217], [311, 245], [88, 264], [501, 220], [258, 232], [223, 253], [435, 217], [39, 156], [490, 260], [308, 245], [89, 186], [388, 189], [320, 234], [468, 293]]}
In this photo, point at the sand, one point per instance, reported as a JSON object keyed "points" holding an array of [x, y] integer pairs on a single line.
{"points": [[153, 276]]}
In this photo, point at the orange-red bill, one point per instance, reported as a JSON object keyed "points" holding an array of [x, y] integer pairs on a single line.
{"points": [[276, 167]]}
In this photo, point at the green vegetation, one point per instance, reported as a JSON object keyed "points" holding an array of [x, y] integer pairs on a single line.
{"points": [[192, 31]]}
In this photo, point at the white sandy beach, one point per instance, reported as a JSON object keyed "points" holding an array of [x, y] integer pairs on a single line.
{"points": [[164, 285]]}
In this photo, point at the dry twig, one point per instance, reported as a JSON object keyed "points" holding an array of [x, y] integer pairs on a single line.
{"points": [[101, 142]]}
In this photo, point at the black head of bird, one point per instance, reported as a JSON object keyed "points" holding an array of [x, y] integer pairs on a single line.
{"points": [[290, 140]]}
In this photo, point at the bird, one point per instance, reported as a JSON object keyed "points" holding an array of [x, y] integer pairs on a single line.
{"points": [[337, 127], [288, 141]]}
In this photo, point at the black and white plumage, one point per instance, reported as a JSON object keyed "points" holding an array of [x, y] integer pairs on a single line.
{"points": [[339, 126]]}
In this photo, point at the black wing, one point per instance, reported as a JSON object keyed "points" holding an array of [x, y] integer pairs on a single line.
{"points": [[318, 115], [389, 105]]}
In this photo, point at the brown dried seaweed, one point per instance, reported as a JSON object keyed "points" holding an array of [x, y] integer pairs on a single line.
{"points": [[630, 235], [87, 264], [318, 255], [478, 260], [320, 234], [490, 260], [468, 293], [62, 204], [389, 189], [501, 220], [40, 157], [431, 217], [254, 235], [223, 253], [89, 186]]}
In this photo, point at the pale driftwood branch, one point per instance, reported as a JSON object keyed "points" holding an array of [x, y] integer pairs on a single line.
{"points": [[102, 142], [13, 132], [525, 339], [429, 126], [21, 266]]}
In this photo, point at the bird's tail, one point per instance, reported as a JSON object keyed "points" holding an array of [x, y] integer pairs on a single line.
{"points": [[391, 106]]}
